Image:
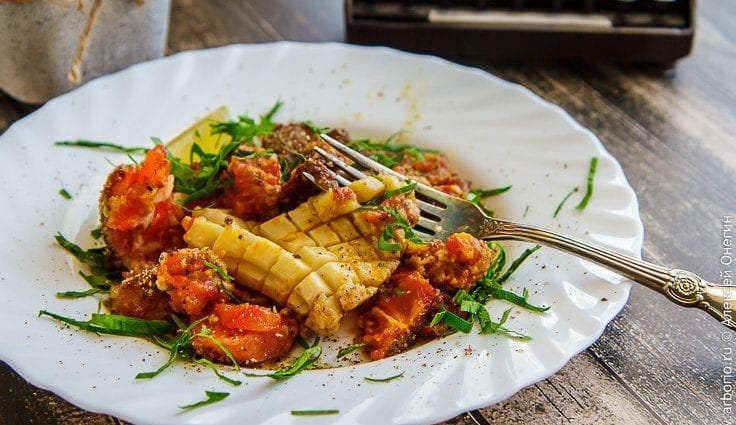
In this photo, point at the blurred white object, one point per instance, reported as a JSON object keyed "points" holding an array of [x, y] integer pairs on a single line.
{"points": [[51, 46]]}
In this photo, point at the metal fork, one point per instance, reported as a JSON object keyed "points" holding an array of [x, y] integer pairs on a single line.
{"points": [[442, 215]]}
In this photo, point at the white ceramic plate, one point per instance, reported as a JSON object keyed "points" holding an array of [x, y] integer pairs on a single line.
{"points": [[495, 132]]}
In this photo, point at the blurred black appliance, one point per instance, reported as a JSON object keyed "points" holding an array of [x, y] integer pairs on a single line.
{"points": [[638, 31]]}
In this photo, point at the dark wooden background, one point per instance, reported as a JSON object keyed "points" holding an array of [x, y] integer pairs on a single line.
{"points": [[673, 133]]}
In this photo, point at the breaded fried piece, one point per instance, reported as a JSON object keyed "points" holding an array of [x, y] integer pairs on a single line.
{"points": [[138, 296], [455, 264], [392, 324]]}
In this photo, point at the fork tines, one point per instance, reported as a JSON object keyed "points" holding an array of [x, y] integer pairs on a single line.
{"points": [[432, 203], [431, 194]]}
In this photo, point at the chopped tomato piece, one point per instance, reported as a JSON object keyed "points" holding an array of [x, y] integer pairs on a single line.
{"points": [[139, 216], [192, 285], [251, 333]]}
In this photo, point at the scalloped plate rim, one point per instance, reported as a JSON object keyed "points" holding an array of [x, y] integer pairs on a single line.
{"points": [[79, 400]]}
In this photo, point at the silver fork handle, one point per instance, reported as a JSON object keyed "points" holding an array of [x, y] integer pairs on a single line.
{"points": [[680, 286]]}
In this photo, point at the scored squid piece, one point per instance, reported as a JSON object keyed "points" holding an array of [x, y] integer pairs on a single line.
{"points": [[317, 259]]}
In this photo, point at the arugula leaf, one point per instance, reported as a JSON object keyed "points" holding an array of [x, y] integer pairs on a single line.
{"points": [[205, 179], [385, 160], [497, 327], [212, 397], [589, 189], [246, 128], [101, 145], [131, 324], [303, 362], [473, 302]]}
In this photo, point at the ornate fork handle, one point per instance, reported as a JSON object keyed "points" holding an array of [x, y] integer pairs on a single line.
{"points": [[680, 286]]}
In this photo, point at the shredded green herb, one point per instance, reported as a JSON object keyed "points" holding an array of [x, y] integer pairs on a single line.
{"points": [[488, 287], [225, 276], [205, 180], [64, 194], [101, 278], [403, 190], [303, 362], [255, 154], [94, 258], [305, 344], [288, 166], [349, 349], [102, 145], [181, 347], [100, 282], [302, 342], [499, 262], [212, 397], [220, 271], [246, 128], [589, 189], [96, 232], [387, 242], [452, 320], [115, 325], [315, 128], [315, 412], [516, 263], [213, 367], [476, 197], [388, 379], [78, 294], [387, 153], [559, 207], [496, 291]]}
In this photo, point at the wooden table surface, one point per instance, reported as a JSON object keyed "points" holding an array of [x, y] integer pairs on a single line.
{"points": [[674, 136]]}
